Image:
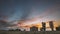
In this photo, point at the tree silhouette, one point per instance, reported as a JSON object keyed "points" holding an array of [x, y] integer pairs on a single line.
{"points": [[51, 25], [43, 26]]}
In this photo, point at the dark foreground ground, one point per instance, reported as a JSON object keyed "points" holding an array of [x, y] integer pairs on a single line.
{"points": [[37, 32]]}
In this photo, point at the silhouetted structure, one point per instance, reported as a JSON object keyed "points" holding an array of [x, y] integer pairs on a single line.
{"points": [[51, 25], [58, 28], [34, 28], [43, 26]]}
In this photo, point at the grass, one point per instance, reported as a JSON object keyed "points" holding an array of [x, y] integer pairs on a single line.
{"points": [[30, 32]]}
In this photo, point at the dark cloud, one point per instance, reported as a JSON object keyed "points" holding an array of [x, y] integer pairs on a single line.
{"points": [[3, 23]]}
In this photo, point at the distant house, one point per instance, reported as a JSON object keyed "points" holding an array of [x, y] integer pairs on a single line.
{"points": [[34, 28]]}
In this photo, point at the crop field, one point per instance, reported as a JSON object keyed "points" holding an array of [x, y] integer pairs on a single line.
{"points": [[29, 32]]}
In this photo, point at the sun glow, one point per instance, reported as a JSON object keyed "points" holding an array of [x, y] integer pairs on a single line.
{"points": [[36, 23]]}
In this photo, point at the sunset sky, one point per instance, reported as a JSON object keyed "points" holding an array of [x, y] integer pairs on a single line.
{"points": [[29, 12]]}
